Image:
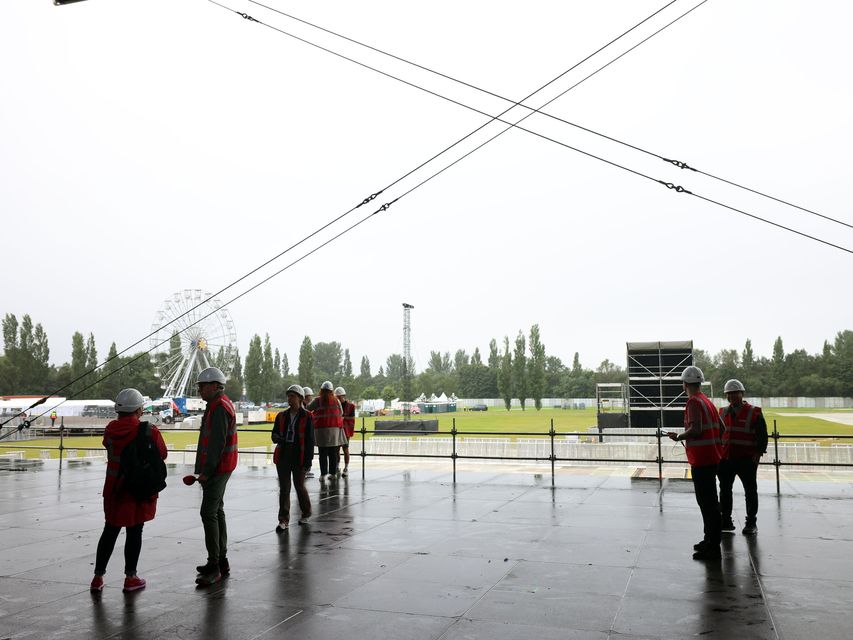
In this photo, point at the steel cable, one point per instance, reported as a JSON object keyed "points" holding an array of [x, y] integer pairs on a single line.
{"points": [[325, 226]]}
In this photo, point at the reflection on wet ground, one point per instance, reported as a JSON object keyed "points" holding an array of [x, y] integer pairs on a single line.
{"points": [[407, 554]]}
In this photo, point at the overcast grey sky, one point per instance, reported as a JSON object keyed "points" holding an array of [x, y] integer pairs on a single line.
{"points": [[157, 145]]}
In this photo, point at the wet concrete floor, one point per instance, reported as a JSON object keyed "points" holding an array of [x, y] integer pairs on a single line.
{"points": [[406, 554]]}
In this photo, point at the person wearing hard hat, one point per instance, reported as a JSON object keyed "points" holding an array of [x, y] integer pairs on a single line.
{"points": [[701, 438], [216, 459], [348, 410], [328, 429], [744, 442], [121, 509], [307, 398], [293, 435]]}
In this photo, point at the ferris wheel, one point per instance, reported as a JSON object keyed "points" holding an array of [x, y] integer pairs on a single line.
{"points": [[202, 335]]}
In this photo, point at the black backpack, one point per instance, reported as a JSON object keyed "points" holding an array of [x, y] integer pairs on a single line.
{"points": [[141, 466]]}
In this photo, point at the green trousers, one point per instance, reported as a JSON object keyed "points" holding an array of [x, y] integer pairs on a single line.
{"points": [[213, 516]]}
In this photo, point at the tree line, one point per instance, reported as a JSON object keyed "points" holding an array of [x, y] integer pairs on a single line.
{"points": [[510, 368]]}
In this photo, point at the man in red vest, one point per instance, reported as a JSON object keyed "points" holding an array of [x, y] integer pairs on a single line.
{"points": [[348, 409], [216, 458], [701, 437], [744, 442]]}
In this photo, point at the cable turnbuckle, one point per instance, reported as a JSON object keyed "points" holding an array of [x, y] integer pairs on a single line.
{"points": [[679, 164], [371, 197], [677, 187], [246, 16], [385, 206]]}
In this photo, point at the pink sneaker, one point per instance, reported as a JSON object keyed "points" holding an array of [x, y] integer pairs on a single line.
{"points": [[133, 583], [97, 584]]}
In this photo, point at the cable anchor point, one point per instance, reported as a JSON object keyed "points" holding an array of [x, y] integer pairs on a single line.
{"points": [[677, 188], [370, 198], [679, 164]]}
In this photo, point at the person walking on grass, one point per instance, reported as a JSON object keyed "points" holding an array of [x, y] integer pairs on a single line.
{"points": [[744, 442], [348, 410], [121, 508], [701, 437], [328, 429], [293, 435], [216, 459]]}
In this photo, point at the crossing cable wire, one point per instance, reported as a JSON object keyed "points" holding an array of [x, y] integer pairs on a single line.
{"points": [[678, 163], [331, 222], [511, 125], [491, 117]]}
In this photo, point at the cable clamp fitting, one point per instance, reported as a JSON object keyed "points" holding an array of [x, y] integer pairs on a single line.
{"points": [[385, 206], [246, 16], [679, 164], [371, 197], [677, 188]]}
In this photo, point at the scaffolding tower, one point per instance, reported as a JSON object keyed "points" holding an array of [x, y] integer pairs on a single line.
{"points": [[655, 391]]}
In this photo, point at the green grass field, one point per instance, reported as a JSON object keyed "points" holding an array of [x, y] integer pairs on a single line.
{"points": [[494, 420]]}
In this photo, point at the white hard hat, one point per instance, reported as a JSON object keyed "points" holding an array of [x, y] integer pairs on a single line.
{"points": [[307, 391], [295, 388], [211, 374], [327, 385], [340, 391], [128, 401], [733, 385], [692, 375]]}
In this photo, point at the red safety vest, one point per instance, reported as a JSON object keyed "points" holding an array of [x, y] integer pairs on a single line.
{"points": [[739, 438], [706, 449], [281, 420], [328, 416], [228, 461], [349, 417]]}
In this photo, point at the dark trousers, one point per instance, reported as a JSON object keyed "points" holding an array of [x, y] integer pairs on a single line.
{"points": [[213, 517], [288, 469], [132, 548], [705, 487], [328, 460], [746, 470]]}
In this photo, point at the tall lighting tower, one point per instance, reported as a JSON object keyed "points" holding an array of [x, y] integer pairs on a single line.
{"points": [[407, 353]]}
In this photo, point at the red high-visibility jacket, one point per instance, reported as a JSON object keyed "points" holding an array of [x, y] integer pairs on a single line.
{"points": [[739, 438], [228, 459], [707, 448]]}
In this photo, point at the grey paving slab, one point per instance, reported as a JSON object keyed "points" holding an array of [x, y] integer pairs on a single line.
{"points": [[405, 553]]}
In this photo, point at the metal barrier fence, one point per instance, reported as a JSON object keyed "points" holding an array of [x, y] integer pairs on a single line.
{"points": [[552, 458]]}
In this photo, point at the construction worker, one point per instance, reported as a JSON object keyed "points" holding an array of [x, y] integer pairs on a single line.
{"points": [[121, 509], [53, 419], [307, 398], [348, 409], [293, 435], [744, 442], [701, 437], [216, 458], [328, 429]]}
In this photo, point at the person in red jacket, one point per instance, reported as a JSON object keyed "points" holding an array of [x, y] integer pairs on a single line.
{"points": [[216, 459], [744, 442], [701, 437], [120, 508], [348, 409], [293, 434], [328, 429]]}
